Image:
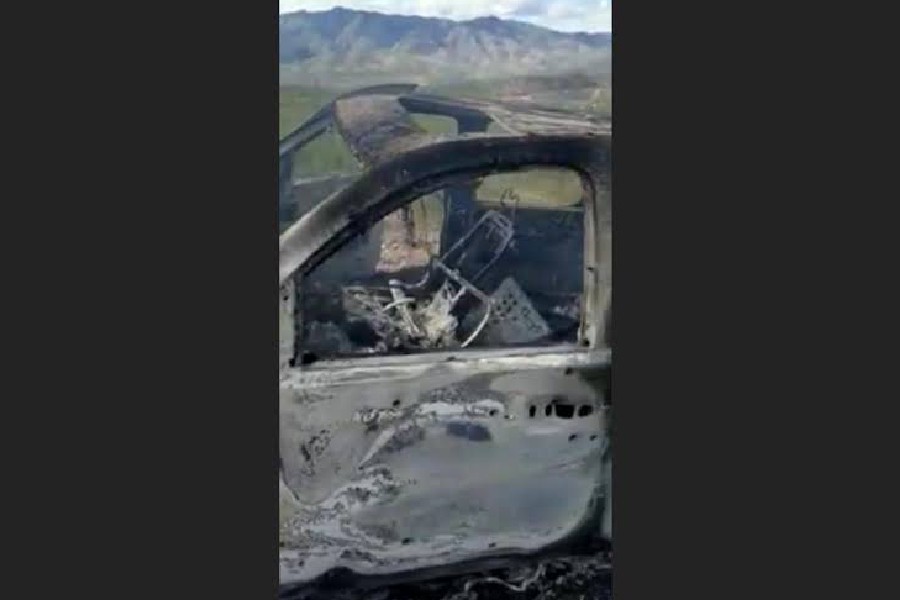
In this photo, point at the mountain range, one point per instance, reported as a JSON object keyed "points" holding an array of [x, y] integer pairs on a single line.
{"points": [[367, 47]]}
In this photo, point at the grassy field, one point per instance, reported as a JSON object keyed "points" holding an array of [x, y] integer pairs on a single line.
{"points": [[550, 188], [296, 104], [536, 188], [329, 154], [325, 154]]}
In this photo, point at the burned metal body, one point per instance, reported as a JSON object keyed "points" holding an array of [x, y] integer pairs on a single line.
{"points": [[471, 427]]}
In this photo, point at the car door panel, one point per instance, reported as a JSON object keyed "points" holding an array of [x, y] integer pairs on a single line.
{"points": [[435, 464], [392, 463]]}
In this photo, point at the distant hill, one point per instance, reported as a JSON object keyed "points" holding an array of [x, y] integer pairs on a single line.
{"points": [[366, 47]]}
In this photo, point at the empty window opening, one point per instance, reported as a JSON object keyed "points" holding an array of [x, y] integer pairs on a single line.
{"points": [[491, 262]]}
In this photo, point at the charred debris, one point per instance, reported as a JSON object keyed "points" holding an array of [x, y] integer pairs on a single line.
{"points": [[437, 298], [436, 247]]}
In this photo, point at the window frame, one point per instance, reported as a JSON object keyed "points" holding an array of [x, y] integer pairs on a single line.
{"points": [[353, 211]]}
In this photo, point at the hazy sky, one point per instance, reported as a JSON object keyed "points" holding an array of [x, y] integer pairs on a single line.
{"points": [[564, 15]]}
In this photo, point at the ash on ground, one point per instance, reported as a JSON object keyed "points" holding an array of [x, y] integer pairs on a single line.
{"points": [[581, 578]]}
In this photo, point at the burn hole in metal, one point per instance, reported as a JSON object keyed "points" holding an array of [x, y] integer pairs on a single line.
{"points": [[565, 411], [560, 409]]}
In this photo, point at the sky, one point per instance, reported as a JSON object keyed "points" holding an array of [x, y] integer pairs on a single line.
{"points": [[562, 15]]}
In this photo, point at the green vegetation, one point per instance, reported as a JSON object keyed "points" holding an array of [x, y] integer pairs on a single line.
{"points": [[325, 154], [538, 187], [435, 124], [344, 48], [296, 104], [601, 102], [328, 153], [564, 90], [481, 89]]}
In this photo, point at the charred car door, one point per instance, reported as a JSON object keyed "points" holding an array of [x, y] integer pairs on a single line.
{"points": [[444, 390]]}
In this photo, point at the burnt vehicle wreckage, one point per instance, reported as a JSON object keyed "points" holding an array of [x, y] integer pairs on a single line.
{"points": [[445, 356]]}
